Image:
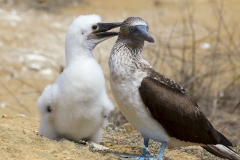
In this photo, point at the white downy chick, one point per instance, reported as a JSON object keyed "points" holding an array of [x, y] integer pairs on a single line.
{"points": [[76, 106]]}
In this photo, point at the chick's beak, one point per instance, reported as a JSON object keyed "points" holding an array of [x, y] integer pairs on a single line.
{"points": [[100, 31]]}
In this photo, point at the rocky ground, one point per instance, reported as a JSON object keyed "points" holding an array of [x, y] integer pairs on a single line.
{"points": [[32, 51]]}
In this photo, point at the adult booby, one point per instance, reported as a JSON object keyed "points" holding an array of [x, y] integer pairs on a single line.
{"points": [[76, 106], [156, 106]]}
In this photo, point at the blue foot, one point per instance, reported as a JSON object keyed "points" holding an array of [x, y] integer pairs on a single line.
{"points": [[145, 154], [136, 157], [161, 152]]}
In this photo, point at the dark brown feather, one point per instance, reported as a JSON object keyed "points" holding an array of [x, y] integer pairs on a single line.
{"points": [[176, 111]]}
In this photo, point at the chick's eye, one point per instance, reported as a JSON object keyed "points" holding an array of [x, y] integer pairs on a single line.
{"points": [[94, 27]]}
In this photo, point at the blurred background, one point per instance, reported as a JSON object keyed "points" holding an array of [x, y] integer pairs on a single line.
{"points": [[197, 44]]}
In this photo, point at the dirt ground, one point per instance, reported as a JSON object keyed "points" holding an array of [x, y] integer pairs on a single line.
{"points": [[32, 37]]}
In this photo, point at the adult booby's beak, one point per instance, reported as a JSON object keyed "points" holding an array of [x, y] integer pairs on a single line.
{"points": [[100, 31], [140, 33]]}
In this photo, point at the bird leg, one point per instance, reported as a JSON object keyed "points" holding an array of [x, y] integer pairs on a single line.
{"points": [[145, 153], [161, 152]]}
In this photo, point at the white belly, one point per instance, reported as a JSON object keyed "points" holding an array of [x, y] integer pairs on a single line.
{"points": [[129, 101], [131, 105], [78, 122]]}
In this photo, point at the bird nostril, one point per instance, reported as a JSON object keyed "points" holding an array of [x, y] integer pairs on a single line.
{"points": [[94, 27]]}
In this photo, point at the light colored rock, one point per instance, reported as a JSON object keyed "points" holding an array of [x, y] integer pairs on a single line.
{"points": [[47, 71], [129, 128], [35, 66], [205, 45], [3, 104]]}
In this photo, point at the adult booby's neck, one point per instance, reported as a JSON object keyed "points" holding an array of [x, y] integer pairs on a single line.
{"points": [[125, 58], [125, 50]]}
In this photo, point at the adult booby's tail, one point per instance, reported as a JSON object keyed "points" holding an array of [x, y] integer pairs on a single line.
{"points": [[222, 151]]}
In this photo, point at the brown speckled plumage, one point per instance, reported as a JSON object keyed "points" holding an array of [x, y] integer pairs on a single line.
{"points": [[166, 101]]}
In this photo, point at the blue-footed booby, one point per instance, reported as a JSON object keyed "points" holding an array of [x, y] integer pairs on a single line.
{"points": [[76, 106], [156, 106]]}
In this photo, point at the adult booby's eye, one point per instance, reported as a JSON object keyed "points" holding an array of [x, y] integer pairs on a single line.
{"points": [[131, 29], [94, 27]]}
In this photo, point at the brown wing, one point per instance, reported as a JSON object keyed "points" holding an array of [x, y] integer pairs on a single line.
{"points": [[176, 111]]}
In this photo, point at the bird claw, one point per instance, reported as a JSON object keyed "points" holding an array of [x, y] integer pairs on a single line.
{"points": [[137, 157]]}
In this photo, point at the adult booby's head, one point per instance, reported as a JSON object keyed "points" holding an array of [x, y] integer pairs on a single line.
{"points": [[85, 32], [135, 31]]}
